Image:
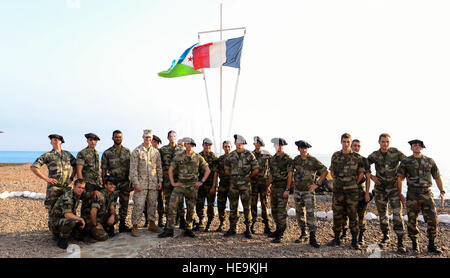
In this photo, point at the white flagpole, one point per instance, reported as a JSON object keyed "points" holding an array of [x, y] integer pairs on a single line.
{"points": [[220, 139]]}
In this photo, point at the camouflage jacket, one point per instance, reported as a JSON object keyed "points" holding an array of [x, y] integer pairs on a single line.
{"points": [[116, 163], [211, 160], [145, 166], [366, 166], [167, 154], [91, 165], [386, 166], [418, 176], [219, 167], [188, 166], [103, 205], [241, 165], [263, 158], [305, 171], [59, 166], [67, 202], [280, 166], [346, 168]]}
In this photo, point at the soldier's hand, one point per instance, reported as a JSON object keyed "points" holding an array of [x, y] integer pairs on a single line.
{"points": [[82, 223], [138, 188], [177, 184], [442, 200], [159, 187], [98, 195], [52, 181], [313, 187], [212, 190], [198, 184], [376, 180], [286, 194], [367, 197]]}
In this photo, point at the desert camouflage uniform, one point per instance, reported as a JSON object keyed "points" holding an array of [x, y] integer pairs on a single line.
{"points": [[187, 168], [259, 186], [61, 226], [116, 163], [346, 192], [386, 167], [224, 186], [240, 165], [146, 171], [418, 173], [279, 167], [304, 176], [203, 191]]}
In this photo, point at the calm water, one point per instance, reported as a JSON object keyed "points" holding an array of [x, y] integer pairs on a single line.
{"points": [[30, 157]]}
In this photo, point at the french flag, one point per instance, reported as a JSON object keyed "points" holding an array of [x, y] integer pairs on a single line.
{"points": [[216, 54]]}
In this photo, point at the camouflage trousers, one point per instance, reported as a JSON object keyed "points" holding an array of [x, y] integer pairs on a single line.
{"points": [[222, 194], [239, 189], [421, 200], [279, 206], [305, 199], [202, 194], [142, 197], [160, 201], [345, 204], [167, 192], [385, 194], [189, 192], [52, 195], [124, 199], [259, 189], [66, 228], [101, 235], [361, 212]]}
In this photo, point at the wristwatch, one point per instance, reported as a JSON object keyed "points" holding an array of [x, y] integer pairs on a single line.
{"points": [[287, 189]]}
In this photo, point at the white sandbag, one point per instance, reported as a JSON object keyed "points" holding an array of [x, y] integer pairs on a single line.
{"points": [[405, 217], [421, 219], [320, 214], [371, 216], [16, 194], [391, 217], [330, 215], [4, 195], [26, 194], [33, 195], [291, 212], [444, 218]]}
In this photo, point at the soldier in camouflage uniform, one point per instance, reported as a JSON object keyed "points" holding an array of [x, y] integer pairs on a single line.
{"points": [[280, 183], [116, 163], [60, 163], [101, 218], [88, 164], [206, 191], [305, 168], [418, 170], [224, 184], [259, 185], [156, 141], [167, 154], [347, 170], [63, 220], [242, 166], [386, 162], [187, 165]]}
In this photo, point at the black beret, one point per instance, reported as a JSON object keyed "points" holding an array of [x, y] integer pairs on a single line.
{"points": [[417, 141], [279, 141], [92, 136], [157, 139], [258, 139], [302, 144], [57, 136], [111, 179], [240, 139]]}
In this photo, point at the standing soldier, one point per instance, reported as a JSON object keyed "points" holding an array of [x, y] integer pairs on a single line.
{"points": [[167, 154], [242, 166], [186, 164], [305, 168], [347, 170], [146, 176], [418, 170], [386, 162], [362, 203], [224, 184], [259, 185], [280, 181], [116, 163], [206, 191], [88, 164], [59, 164]]}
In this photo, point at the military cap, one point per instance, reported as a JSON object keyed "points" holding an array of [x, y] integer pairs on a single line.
{"points": [[111, 179], [258, 139], [417, 141], [157, 139], [148, 133], [188, 140], [207, 141], [302, 144], [239, 139], [279, 141], [57, 136], [92, 136]]}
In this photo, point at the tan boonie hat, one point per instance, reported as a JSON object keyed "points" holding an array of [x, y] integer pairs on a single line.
{"points": [[148, 133]]}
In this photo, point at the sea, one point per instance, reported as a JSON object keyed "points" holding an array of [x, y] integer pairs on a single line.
{"points": [[31, 156]]}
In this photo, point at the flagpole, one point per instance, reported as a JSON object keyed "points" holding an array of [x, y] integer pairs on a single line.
{"points": [[220, 139]]}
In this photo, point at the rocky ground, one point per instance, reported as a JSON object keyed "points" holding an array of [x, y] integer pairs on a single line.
{"points": [[24, 232]]}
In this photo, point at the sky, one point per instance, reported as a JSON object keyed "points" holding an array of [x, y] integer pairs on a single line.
{"points": [[310, 70]]}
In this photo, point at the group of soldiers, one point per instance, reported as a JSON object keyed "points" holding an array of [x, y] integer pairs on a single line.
{"points": [[166, 178]]}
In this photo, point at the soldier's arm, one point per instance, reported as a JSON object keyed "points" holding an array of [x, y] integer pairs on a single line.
{"points": [[207, 172], [38, 173], [94, 216], [290, 179], [254, 172], [323, 176], [171, 176], [70, 215], [133, 168], [159, 171], [104, 166]]}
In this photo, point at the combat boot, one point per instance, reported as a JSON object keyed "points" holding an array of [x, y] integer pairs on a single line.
{"points": [[336, 241], [303, 237], [197, 226], [247, 232], [110, 231], [361, 238], [153, 228], [385, 240], [55, 237], [220, 229], [189, 233], [182, 223], [166, 233], [134, 231], [400, 247], [355, 243], [62, 243], [344, 234], [123, 227], [160, 221], [273, 234], [278, 237], [312, 240], [266, 228], [208, 226], [231, 231], [415, 247], [432, 248]]}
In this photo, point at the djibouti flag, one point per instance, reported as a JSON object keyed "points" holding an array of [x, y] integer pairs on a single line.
{"points": [[183, 66]]}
